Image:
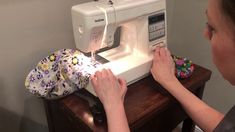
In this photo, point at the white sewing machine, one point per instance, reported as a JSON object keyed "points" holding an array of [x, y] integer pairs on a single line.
{"points": [[143, 27]]}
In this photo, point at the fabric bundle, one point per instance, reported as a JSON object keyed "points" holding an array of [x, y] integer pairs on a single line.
{"points": [[60, 74]]}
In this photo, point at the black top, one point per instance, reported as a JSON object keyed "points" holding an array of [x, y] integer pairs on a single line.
{"points": [[228, 123]]}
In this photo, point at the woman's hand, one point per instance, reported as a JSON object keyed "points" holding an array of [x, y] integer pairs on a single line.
{"points": [[110, 89], [163, 68], [111, 92]]}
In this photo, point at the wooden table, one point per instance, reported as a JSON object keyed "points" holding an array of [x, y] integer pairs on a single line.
{"points": [[148, 108]]}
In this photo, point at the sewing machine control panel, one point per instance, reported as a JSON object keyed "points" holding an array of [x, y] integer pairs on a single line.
{"points": [[156, 28]]}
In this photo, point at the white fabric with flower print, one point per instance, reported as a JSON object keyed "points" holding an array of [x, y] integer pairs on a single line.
{"points": [[60, 74]]}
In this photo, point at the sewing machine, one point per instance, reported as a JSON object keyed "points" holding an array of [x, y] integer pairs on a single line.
{"points": [[143, 27]]}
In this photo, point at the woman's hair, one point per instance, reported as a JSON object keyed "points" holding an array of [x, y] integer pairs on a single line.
{"points": [[228, 7]]}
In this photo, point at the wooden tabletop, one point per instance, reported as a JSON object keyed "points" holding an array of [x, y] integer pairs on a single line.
{"points": [[143, 100]]}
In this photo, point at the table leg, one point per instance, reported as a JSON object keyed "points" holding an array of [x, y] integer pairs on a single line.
{"points": [[49, 116], [188, 124]]}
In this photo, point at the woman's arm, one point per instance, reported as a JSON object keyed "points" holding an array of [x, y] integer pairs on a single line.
{"points": [[111, 92], [163, 71], [203, 115], [117, 121]]}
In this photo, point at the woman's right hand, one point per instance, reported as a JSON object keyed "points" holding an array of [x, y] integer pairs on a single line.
{"points": [[110, 89], [163, 68], [111, 92]]}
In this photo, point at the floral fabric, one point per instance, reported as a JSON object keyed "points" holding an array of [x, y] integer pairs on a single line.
{"points": [[60, 74]]}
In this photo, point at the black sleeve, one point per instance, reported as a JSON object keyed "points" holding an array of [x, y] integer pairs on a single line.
{"points": [[228, 123]]}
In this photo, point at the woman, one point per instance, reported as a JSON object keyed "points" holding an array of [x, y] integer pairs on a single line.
{"points": [[220, 31]]}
